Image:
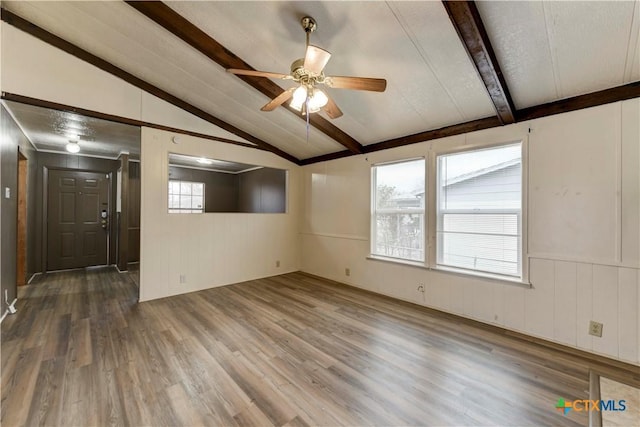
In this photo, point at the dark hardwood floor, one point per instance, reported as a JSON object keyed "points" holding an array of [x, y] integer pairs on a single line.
{"points": [[291, 350]]}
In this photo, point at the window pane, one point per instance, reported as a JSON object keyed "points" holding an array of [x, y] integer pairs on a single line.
{"points": [[196, 202], [479, 207], [400, 185], [185, 202], [399, 200], [481, 223], [483, 179], [400, 235], [494, 251], [181, 199]]}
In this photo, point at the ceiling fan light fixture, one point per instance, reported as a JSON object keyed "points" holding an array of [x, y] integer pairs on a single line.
{"points": [[299, 98], [317, 100], [73, 147]]}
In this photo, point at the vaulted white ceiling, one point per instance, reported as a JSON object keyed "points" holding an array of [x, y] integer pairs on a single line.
{"points": [[547, 51]]}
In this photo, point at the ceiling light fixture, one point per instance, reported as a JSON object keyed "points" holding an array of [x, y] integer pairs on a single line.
{"points": [[312, 99], [204, 161], [73, 146]]}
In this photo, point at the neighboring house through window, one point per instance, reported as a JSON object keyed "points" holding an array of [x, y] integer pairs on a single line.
{"points": [[479, 210]]}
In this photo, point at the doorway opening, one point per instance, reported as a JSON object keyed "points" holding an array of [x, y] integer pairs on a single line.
{"points": [[21, 267]]}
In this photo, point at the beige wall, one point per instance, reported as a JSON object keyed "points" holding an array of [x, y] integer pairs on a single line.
{"points": [[583, 241], [211, 249]]}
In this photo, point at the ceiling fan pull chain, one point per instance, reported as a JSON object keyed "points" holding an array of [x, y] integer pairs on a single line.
{"points": [[307, 108]]}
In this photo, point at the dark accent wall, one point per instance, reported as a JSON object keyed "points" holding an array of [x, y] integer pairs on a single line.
{"points": [[263, 191], [74, 162], [220, 189], [134, 211], [11, 140]]}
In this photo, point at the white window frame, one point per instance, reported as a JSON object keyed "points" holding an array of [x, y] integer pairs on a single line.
{"points": [[375, 211], [438, 215], [185, 210]]}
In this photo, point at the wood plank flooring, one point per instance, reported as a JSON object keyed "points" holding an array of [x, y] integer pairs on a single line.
{"points": [[291, 350]]}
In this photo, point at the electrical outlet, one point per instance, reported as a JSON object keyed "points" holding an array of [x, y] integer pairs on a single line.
{"points": [[183, 278], [595, 329], [347, 272], [277, 263]]}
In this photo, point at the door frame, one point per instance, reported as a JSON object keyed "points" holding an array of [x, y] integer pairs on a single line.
{"points": [[22, 219], [45, 207]]}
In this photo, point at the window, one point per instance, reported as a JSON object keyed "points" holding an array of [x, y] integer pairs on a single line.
{"points": [[479, 210], [398, 210], [186, 197]]}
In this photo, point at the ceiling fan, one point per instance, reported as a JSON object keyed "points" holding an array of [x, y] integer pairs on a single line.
{"points": [[308, 73]]}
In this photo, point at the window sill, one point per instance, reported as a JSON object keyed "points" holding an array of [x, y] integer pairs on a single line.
{"points": [[480, 275], [456, 271], [417, 264]]}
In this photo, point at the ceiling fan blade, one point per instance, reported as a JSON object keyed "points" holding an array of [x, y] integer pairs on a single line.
{"points": [[315, 59], [257, 73], [279, 100], [332, 109], [356, 83]]}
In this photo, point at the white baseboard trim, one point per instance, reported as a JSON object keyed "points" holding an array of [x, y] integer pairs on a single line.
{"points": [[33, 276], [7, 310]]}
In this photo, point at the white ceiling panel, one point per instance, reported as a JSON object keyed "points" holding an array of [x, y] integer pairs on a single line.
{"points": [[590, 36], [518, 36], [550, 50]]}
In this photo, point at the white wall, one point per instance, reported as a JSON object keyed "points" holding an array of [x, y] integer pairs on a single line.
{"points": [[583, 239], [212, 249]]}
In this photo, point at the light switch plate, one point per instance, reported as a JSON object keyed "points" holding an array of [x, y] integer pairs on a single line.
{"points": [[7, 192]]}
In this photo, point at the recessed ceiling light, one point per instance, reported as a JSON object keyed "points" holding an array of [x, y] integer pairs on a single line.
{"points": [[204, 161], [73, 147]]}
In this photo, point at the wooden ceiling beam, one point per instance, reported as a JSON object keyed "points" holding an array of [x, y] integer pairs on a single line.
{"points": [[179, 26], [607, 96], [326, 157], [465, 18], [458, 129], [117, 119], [53, 40]]}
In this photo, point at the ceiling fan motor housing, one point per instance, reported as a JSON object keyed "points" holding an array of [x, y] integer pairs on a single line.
{"points": [[309, 24]]}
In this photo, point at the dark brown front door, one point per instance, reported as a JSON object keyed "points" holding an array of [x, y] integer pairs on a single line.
{"points": [[75, 234]]}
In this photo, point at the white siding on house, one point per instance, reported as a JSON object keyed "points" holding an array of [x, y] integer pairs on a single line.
{"points": [[503, 185]]}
